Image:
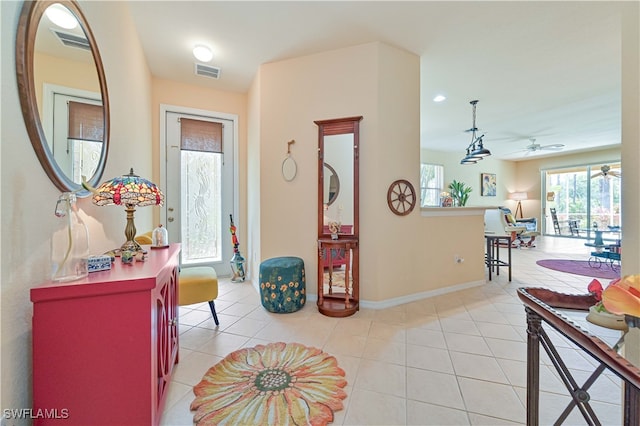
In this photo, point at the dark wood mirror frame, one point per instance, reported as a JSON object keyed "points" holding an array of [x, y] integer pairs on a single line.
{"points": [[32, 12], [339, 126]]}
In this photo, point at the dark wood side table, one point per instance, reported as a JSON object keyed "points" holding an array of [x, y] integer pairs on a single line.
{"points": [[330, 302]]}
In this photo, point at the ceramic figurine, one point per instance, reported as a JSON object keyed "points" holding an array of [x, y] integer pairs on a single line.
{"points": [[127, 256]]}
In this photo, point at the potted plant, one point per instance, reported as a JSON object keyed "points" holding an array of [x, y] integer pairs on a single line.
{"points": [[459, 192]]}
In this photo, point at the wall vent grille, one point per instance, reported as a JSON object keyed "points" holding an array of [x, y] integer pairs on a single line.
{"points": [[207, 71], [72, 40]]}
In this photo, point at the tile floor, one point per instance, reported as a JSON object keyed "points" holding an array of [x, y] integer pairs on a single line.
{"points": [[456, 359]]}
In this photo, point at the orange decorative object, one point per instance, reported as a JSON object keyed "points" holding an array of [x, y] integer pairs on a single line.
{"points": [[622, 296]]}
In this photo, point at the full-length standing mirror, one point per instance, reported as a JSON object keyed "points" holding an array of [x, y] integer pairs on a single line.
{"points": [[63, 92], [338, 212], [338, 144]]}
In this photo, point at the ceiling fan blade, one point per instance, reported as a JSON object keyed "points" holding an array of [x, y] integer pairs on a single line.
{"points": [[517, 153], [553, 147], [517, 137], [607, 172]]}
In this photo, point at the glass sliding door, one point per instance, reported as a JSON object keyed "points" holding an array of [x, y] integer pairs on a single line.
{"points": [[582, 198], [605, 198], [567, 193]]}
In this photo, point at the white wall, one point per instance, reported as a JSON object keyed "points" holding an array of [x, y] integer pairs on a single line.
{"points": [[381, 83], [293, 94], [631, 156], [28, 197], [254, 170]]}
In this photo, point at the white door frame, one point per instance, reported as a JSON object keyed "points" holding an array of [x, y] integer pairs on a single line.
{"points": [[164, 109]]}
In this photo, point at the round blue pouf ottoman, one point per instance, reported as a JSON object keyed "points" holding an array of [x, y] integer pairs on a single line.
{"points": [[282, 284]]}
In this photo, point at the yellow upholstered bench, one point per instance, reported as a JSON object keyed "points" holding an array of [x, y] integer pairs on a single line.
{"points": [[196, 284], [144, 238]]}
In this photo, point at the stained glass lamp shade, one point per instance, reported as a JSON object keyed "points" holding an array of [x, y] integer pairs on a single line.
{"points": [[130, 191]]}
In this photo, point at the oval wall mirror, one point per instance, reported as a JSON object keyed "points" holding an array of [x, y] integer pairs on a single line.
{"points": [[289, 169], [331, 184], [63, 93]]}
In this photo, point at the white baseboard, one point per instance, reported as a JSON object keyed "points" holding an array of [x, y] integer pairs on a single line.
{"points": [[388, 303]]}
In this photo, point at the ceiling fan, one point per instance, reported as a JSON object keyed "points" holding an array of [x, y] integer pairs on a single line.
{"points": [[534, 147], [605, 171]]}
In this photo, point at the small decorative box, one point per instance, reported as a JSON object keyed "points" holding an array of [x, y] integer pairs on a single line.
{"points": [[99, 263]]}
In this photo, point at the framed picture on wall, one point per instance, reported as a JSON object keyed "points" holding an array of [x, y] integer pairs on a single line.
{"points": [[488, 184]]}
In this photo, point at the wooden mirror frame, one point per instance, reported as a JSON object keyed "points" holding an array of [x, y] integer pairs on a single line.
{"points": [[339, 126], [32, 13]]}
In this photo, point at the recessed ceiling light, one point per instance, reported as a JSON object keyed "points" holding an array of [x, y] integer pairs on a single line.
{"points": [[202, 53], [439, 98], [61, 16]]}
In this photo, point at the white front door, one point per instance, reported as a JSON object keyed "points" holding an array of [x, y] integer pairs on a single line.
{"points": [[200, 195]]}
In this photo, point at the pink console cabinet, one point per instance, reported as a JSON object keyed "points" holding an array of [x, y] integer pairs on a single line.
{"points": [[104, 347]]}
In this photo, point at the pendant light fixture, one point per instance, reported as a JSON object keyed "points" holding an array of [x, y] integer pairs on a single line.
{"points": [[476, 150], [469, 159]]}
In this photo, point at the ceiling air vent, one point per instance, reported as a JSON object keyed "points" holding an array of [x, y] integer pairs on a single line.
{"points": [[207, 71], [72, 40]]}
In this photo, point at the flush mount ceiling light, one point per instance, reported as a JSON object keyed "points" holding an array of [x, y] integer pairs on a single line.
{"points": [[61, 16], [476, 150], [439, 98], [202, 53]]}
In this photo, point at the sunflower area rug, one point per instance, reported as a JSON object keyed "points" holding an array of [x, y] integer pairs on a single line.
{"points": [[273, 384]]}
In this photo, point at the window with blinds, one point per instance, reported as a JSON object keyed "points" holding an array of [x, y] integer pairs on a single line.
{"points": [[431, 183], [85, 138], [86, 122]]}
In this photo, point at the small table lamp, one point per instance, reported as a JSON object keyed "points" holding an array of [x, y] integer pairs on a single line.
{"points": [[518, 196], [131, 191]]}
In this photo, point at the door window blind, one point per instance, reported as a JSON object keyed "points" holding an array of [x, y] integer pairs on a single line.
{"points": [[86, 122], [200, 135]]}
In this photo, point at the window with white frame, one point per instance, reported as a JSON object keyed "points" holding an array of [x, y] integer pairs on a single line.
{"points": [[431, 183]]}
